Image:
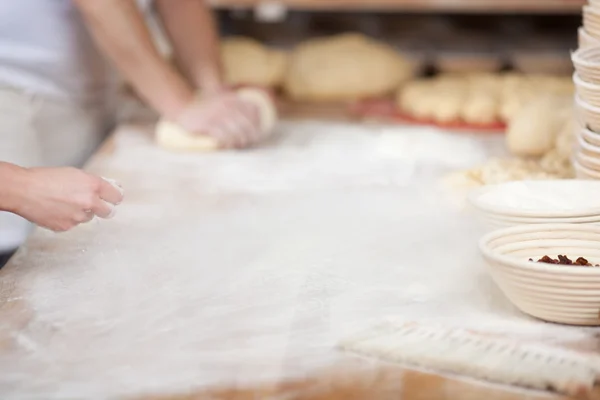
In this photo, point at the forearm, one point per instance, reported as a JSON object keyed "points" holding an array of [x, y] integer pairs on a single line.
{"points": [[120, 31], [191, 29], [12, 182]]}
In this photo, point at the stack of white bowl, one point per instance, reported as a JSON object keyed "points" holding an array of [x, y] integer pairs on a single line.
{"points": [[586, 61], [538, 202], [567, 294]]}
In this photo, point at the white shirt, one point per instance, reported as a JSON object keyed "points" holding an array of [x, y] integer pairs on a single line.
{"points": [[46, 49]]}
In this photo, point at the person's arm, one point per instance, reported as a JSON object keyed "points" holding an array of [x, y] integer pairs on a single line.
{"points": [[193, 34], [119, 29], [56, 198], [11, 182]]}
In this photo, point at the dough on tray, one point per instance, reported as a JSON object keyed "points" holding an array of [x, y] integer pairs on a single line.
{"points": [[171, 136], [345, 67], [247, 62]]}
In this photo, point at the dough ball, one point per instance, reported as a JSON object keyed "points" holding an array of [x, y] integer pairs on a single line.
{"points": [[411, 94], [447, 107], [554, 163], [173, 137], [344, 68], [534, 129], [248, 62], [480, 108]]}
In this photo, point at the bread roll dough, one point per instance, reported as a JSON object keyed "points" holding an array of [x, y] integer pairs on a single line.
{"points": [[247, 62], [173, 137], [480, 108], [534, 129], [344, 68]]}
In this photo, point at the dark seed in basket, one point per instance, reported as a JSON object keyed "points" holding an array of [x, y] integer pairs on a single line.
{"points": [[564, 260]]}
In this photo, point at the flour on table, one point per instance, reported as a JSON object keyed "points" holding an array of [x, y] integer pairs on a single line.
{"points": [[236, 268]]}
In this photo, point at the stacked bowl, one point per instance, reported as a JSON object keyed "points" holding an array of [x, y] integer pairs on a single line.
{"points": [[538, 202], [544, 250], [586, 61]]}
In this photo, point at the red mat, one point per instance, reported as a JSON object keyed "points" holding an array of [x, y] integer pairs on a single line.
{"points": [[387, 109]]}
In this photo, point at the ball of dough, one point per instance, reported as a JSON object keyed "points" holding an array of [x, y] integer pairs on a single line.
{"points": [[480, 108], [247, 62], [344, 68], [532, 132], [173, 137]]}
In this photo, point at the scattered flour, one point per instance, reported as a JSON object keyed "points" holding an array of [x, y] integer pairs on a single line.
{"points": [[250, 266]]}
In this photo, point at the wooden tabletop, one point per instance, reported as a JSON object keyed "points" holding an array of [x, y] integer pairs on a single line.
{"points": [[57, 258]]}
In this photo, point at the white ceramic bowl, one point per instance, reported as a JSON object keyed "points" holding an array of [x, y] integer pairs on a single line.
{"points": [[587, 63], [588, 92], [588, 115], [539, 198], [590, 137], [556, 293]]}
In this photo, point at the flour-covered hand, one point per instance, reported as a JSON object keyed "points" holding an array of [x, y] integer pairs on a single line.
{"points": [[62, 198], [232, 121]]}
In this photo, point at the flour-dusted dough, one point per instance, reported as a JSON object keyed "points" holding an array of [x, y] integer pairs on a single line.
{"points": [[247, 62], [344, 68], [480, 107], [533, 131], [171, 136]]}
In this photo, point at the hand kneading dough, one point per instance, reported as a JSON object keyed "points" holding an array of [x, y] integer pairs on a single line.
{"points": [[248, 62], [344, 68], [171, 136]]}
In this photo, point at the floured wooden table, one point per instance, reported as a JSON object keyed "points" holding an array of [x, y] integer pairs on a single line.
{"points": [[243, 270]]}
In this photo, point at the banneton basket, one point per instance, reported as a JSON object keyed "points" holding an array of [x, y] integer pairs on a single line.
{"points": [[594, 4], [589, 136], [591, 20], [588, 149], [587, 161], [556, 293], [586, 40], [584, 173], [588, 92], [587, 64], [587, 115]]}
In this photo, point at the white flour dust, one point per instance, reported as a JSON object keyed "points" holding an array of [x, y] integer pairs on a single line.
{"points": [[243, 267]]}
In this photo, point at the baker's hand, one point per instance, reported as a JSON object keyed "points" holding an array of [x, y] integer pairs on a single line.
{"points": [[233, 122], [62, 198]]}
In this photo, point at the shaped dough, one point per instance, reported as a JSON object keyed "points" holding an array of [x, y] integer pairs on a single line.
{"points": [[248, 62], [171, 136], [344, 68], [480, 108], [534, 129]]}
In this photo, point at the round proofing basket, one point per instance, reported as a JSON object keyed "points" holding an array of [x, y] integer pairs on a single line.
{"points": [[582, 172], [590, 137], [587, 115], [587, 64], [591, 20], [590, 162], [587, 149], [588, 92], [586, 40], [556, 293]]}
